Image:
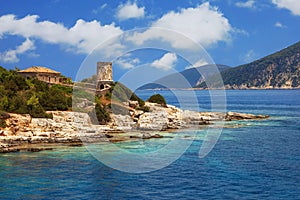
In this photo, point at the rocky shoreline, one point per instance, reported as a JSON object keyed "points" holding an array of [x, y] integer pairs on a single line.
{"points": [[24, 133], [229, 87]]}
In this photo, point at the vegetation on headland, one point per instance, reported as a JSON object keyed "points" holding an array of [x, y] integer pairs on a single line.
{"points": [[102, 112], [35, 97], [113, 102], [31, 96]]}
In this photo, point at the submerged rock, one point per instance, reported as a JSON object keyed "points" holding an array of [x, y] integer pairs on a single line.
{"points": [[146, 135], [242, 116], [38, 149]]}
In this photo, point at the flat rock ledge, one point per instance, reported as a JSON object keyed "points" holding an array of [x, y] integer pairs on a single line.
{"points": [[24, 133]]}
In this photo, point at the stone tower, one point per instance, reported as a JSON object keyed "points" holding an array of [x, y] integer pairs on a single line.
{"points": [[104, 76]]}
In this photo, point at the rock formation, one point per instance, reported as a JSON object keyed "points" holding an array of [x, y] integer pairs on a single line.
{"points": [[74, 127]]}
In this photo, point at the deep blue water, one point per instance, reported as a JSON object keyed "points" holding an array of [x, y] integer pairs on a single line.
{"points": [[258, 160]]}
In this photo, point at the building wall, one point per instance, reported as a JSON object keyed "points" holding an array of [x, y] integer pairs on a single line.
{"points": [[104, 77], [104, 71], [46, 77]]}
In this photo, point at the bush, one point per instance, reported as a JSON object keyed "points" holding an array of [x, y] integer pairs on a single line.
{"points": [[102, 114], [3, 117], [65, 89], [157, 98], [2, 123], [144, 108], [134, 97], [121, 93]]}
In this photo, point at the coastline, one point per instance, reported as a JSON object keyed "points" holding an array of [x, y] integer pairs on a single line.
{"points": [[67, 128], [252, 88]]}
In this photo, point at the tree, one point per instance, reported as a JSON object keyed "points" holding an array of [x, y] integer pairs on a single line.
{"points": [[32, 102], [102, 114], [31, 96], [4, 103], [54, 99]]}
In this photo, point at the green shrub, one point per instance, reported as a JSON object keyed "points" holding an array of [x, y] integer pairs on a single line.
{"points": [[144, 108], [102, 114], [2, 123], [157, 98], [3, 117], [65, 89], [55, 99], [134, 97], [120, 93]]}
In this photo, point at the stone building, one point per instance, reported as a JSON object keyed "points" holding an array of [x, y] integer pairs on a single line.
{"points": [[42, 74], [104, 76]]}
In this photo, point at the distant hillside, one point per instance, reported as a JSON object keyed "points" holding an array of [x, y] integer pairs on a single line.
{"points": [[278, 70], [185, 79]]}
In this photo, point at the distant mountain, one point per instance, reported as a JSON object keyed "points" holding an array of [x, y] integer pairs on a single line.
{"points": [[186, 79], [278, 70]]}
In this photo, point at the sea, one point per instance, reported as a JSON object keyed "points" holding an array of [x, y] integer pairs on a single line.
{"points": [[254, 159]]}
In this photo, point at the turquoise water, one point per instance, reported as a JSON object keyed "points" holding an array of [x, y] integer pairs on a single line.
{"points": [[258, 160]]}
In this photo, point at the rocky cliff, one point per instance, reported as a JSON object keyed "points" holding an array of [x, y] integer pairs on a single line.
{"points": [[75, 127], [280, 70], [65, 127]]}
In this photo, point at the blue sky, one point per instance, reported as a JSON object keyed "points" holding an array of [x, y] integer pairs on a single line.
{"points": [[63, 34]]}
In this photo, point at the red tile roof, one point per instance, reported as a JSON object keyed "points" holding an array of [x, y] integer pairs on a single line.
{"points": [[39, 69]]}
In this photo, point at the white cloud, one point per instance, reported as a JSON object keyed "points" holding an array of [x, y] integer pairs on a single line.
{"points": [[292, 5], [11, 56], [127, 63], [166, 62], [128, 11], [247, 4], [89, 34], [203, 24], [81, 38], [279, 25]]}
